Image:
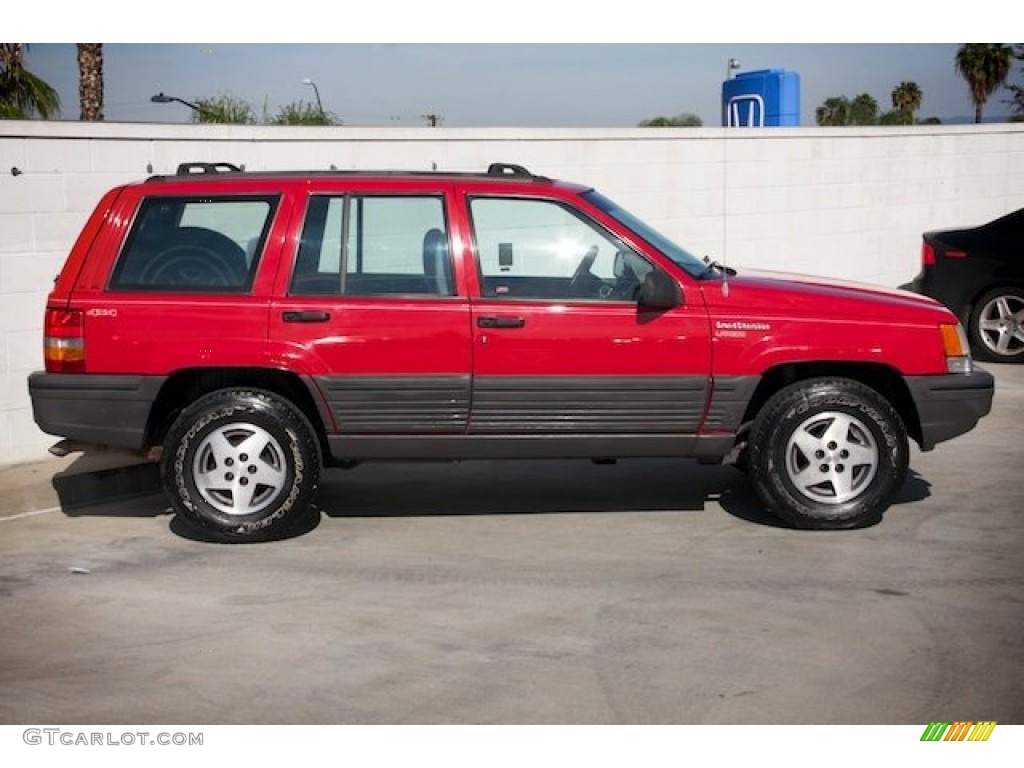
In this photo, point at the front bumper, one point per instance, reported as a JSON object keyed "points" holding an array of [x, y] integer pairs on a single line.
{"points": [[90, 408], [950, 405]]}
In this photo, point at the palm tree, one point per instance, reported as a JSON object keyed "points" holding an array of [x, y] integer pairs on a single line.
{"points": [[864, 110], [1016, 101], [833, 111], [906, 100], [90, 80], [22, 94], [985, 66]]}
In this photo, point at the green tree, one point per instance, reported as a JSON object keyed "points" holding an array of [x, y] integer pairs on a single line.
{"points": [[302, 113], [835, 110], [684, 120], [224, 108], [90, 80], [23, 95], [985, 67], [906, 100]]}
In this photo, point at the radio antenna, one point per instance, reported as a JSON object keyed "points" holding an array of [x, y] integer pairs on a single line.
{"points": [[725, 204]]}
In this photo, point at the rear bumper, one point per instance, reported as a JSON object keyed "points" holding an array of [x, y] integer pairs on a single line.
{"points": [[951, 405], [91, 408]]}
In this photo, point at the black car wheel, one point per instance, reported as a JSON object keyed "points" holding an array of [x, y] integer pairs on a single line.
{"points": [[242, 463], [996, 326], [828, 453]]}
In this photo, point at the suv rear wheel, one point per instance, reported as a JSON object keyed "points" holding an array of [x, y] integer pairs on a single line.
{"points": [[242, 463], [828, 453]]}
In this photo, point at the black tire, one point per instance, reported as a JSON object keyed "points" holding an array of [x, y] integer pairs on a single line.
{"points": [[828, 453], [996, 325], [243, 464]]}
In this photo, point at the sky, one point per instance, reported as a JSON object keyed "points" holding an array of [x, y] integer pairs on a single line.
{"points": [[528, 63]]}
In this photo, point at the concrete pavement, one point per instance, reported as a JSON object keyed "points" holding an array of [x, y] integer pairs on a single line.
{"points": [[529, 592]]}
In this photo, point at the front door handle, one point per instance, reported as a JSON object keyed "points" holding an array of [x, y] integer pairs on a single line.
{"points": [[306, 317], [501, 322]]}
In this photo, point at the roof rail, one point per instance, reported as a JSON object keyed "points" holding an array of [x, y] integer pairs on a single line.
{"points": [[188, 169]]}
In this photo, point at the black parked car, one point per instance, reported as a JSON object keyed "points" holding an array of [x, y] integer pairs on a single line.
{"points": [[979, 274]]}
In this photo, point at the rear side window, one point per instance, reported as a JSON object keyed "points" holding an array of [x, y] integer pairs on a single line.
{"points": [[374, 246], [208, 245]]}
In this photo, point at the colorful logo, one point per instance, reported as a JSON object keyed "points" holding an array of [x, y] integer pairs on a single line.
{"points": [[961, 730]]}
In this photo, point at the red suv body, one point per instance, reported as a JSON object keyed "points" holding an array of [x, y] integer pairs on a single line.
{"points": [[252, 328]]}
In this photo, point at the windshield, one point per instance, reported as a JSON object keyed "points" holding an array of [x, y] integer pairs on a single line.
{"points": [[694, 266]]}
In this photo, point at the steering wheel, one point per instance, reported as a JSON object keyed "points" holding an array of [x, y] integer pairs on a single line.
{"points": [[583, 269]]}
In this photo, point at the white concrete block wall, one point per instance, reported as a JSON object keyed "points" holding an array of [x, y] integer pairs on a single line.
{"points": [[843, 202]]}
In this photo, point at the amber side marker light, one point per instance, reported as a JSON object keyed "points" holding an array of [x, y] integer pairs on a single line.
{"points": [[64, 341], [954, 344]]}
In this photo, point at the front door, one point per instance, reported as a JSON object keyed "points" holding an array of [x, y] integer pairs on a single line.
{"points": [[561, 346]]}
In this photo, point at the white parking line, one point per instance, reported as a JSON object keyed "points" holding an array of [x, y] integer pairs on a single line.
{"points": [[46, 511]]}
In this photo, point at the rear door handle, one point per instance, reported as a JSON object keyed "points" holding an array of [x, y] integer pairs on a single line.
{"points": [[306, 317], [501, 322]]}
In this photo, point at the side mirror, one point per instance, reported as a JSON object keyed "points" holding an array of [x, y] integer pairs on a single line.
{"points": [[660, 291]]}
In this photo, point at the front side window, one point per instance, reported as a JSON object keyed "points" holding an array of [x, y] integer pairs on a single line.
{"points": [[209, 245], [373, 246], [541, 249]]}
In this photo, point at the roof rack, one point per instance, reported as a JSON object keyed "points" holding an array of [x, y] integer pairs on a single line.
{"points": [[506, 170]]}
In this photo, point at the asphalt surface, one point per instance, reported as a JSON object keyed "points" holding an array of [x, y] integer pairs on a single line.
{"points": [[522, 592]]}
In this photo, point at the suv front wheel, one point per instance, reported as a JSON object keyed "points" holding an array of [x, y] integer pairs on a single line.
{"points": [[243, 464], [828, 453]]}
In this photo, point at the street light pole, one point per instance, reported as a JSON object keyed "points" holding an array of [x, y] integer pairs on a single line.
{"points": [[160, 98], [319, 104]]}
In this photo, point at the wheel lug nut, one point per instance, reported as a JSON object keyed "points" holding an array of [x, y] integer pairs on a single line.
{"points": [[819, 454], [832, 445], [252, 469], [823, 468], [229, 476], [840, 467], [229, 462], [243, 481], [844, 454], [243, 457]]}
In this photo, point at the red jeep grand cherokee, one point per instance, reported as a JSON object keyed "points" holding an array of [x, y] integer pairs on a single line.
{"points": [[250, 328]]}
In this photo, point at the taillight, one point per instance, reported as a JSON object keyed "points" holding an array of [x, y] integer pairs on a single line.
{"points": [[64, 341], [927, 254]]}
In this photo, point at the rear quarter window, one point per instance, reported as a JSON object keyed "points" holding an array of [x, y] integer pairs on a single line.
{"points": [[194, 244]]}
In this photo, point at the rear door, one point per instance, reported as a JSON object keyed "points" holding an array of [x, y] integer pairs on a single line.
{"points": [[372, 310], [561, 346]]}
